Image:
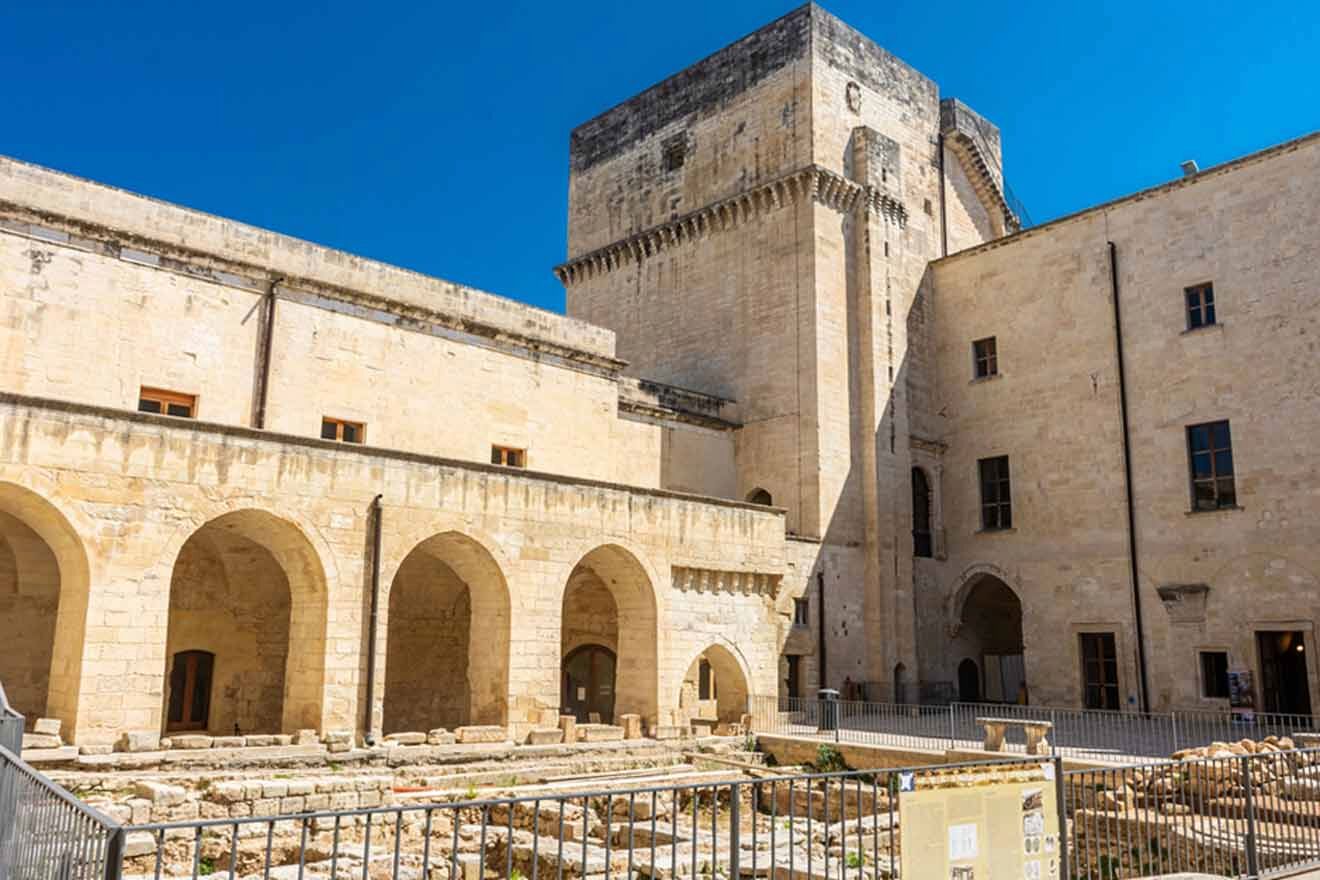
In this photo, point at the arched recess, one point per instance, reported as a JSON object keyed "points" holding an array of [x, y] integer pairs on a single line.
{"points": [[248, 588], [447, 637], [610, 601], [44, 587], [900, 684], [990, 628], [969, 681], [714, 689], [760, 496]]}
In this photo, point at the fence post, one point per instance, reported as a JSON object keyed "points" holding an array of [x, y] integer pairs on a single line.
{"points": [[1059, 794], [1054, 734], [735, 841], [114, 855], [953, 726], [1173, 722], [1253, 860]]}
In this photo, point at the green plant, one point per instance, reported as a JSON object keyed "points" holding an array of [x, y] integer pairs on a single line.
{"points": [[829, 759], [855, 860], [749, 743], [471, 793], [335, 768], [205, 866], [517, 875]]}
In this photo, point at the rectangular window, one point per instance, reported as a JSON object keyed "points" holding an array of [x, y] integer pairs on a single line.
{"points": [[1200, 305], [344, 431], [1210, 456], [1100, 671], [801, 612], [1214, 674], [170, 403], [996, 494], [508, 456], [705, 681], [986, 355]]}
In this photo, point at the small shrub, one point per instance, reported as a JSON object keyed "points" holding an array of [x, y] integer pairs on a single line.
{"points": [[855, 860], [829, 759], [205, 866]]}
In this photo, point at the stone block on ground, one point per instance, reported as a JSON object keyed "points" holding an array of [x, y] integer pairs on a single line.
{"points": [[406, 738], [100, 749], [228, 742], [40, 741], [137, 741], [191, 741], [632, 725], [701, 728], [670, 731], [599, 732], [47, 726], [306, 737], [544, 736], [440, 737], [481, 733], [262, 739], [568, 724], [159, 793]]}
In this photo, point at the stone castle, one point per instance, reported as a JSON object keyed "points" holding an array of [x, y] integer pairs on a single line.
{"points": [[821, 413]]}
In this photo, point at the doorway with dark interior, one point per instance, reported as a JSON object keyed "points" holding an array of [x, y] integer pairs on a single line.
{"points": [[589, 684], [1284, 683]]}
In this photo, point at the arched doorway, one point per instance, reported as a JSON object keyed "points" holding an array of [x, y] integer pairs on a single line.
{"points": [[714, 690], [588, 685], [609, 603], [991, 629], [447, 645], [43, 607], [245, 645], [969, 681], [900, 684]]}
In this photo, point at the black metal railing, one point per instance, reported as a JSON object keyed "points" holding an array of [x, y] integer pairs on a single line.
{"points": [[1121, 737], [48, 834], [11, 725], [841, 824], [1248, 815]]}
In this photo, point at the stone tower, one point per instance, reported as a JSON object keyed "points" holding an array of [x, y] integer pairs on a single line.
{"points": [[757, 227]]}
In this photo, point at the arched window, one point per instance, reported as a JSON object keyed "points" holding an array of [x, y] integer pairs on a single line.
{"points": [[921, 540], [760, 496]]}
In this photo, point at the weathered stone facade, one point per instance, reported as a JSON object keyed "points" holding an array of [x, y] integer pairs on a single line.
{"points": [[766, 237]]}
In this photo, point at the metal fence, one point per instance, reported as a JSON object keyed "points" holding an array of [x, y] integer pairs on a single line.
{"points": [[842, 824], [1076, 733], [11, 725], [48, 834], [1255, 815]]}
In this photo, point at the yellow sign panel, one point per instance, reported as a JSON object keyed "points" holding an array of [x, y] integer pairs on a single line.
{"points": [[988, 822]]}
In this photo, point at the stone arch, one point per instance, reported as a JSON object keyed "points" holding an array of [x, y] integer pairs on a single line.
{"points": [[609, 599], [989, 628], [760, 496], [716, 686], [448, 623], [249, 587], [45, 584]]}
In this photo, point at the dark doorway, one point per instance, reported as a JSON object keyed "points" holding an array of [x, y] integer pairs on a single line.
{"points": [[794, 684], [969, 681], [1100, 671], [190, 690], [589, 683], [1283, 680]]}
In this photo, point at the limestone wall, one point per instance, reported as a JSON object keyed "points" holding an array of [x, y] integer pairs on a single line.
{"points": [[125, 491], [1045, 295]]}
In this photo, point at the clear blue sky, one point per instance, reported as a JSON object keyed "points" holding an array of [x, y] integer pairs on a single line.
{"points": [[435, 136]]}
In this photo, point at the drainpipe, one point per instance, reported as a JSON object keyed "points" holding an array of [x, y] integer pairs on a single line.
{"points": [[1127, 482], [820, 646], [377, 515], [267, 342]]}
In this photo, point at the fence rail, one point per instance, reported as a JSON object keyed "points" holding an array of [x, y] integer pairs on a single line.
{"points": [[48, 834], [1078, 733], [11, 725]]}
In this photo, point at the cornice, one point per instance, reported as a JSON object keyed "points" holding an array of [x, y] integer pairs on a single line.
{"points": [[813, 182]]}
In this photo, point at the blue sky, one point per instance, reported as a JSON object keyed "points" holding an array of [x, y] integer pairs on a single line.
{"points": [[436, 136]]}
